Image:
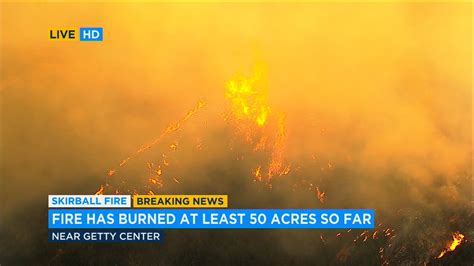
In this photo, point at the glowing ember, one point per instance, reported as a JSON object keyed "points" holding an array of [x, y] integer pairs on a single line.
{"points": [[320, 194], [452, 245], [258, 174], [174, 146], [149, 165], [100, 191], [158, 171]]}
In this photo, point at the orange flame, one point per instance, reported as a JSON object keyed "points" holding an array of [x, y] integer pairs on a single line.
{"points": [[320, 194], [276, 160], [452, 245], [170, 129], [111, 172], [248, 99], [258, 174], [251, 118], [100, 191], [174, 145]]}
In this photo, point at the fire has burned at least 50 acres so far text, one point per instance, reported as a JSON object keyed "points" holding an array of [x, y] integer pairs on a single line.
{"points": [[163, 218]]}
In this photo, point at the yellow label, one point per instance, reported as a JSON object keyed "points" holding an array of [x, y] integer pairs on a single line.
{"points": [[180, 201]]}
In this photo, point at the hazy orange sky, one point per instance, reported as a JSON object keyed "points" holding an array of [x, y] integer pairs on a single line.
{"points": [[388, 85]]}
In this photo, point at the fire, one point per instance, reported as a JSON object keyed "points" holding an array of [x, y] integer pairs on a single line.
{"points": [[248, 98], [157, 171], [173, 127], [170, 129], [252, 118], [258, 174], [111, 172], [100, 191], [452, 245], [174, 146], [320, 194], [276, 160], [149, 165]]}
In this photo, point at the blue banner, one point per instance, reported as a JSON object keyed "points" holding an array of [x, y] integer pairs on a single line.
{"points": [[211, 218]]}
